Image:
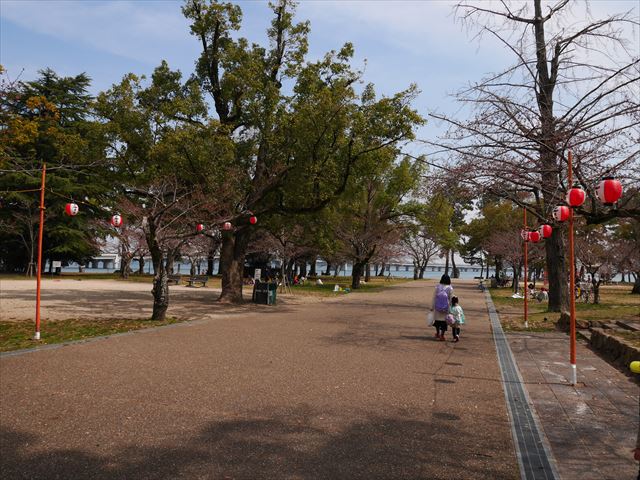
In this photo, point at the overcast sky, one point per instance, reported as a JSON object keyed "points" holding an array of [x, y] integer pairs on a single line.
{"points": [[403, 42]]}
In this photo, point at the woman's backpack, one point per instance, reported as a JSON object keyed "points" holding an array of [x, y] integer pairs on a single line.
{"points": [[442, 299]]}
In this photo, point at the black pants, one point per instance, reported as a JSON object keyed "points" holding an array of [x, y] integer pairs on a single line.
{"points": [[456, 331], [441, 326]]}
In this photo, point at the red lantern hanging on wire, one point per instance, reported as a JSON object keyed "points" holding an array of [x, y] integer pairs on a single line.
{"points": [[116, 220], [534, 236], [609, 191], [71, 209], [226, 226], [199, 228], [253, 219], [575, 196], [561, 213], [545, 231]]}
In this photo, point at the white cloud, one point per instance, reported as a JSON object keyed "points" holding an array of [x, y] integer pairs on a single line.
{"points": [[128, 29]]}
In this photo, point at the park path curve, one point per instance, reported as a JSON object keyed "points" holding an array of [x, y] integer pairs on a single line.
{"points": [[352, 388]]}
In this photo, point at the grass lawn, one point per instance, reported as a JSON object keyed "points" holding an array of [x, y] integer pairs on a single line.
{"points": [[616, 303], [18, 335], [329, 283]]}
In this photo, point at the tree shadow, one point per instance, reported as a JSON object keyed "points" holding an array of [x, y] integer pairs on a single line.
{"points": [[293, 444]]}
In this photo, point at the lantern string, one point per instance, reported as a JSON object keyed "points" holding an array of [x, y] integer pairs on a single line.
{"points": [[20, 191]]}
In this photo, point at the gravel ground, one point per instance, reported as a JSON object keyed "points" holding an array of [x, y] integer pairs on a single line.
{"points": [[348, 388]]}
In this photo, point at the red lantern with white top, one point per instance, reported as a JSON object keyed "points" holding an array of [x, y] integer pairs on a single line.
{"points": [[226, 226], [71, 209], [253, 220], [545, 230], [561, 213], [199, 228], [116, 220], [609, 191], [534, 237], [575, 196]]}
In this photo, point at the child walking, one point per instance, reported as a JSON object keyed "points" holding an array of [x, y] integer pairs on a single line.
{"points": [[458, 315]]}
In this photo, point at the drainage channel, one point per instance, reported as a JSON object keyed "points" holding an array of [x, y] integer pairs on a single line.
{"points": [[532, 449]]}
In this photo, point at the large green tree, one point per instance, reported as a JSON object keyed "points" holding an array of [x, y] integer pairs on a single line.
{"points": [[296, 146], [49, 121]]}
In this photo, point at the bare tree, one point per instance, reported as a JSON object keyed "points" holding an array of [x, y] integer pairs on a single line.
{"points": [[421, 248], [573, 86]]}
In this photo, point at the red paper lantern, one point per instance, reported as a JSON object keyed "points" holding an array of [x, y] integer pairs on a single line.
{"points": [[609, 191], [253, 220], [226, 226], [199, 227], [71, 209], [534, 237], [561, 213], [575, 196], [116, 220], [545, 231]]}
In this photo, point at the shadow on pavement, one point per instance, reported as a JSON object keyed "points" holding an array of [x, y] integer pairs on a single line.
{"points": [[294, 445]]}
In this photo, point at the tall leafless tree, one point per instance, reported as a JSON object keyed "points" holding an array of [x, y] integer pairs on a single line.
{"points": [[574, 86]]}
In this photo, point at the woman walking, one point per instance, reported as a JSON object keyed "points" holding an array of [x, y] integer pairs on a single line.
{"points": [[441, 305]]}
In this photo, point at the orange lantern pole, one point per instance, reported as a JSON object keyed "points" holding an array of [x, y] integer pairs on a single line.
{"points": [[572, 285], [38, 275], [526, 289]]}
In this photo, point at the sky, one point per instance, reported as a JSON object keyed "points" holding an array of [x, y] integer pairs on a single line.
{"points": [[400, 42]]}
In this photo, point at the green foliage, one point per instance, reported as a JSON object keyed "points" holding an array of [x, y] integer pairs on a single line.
{"points": [[49, 120]]}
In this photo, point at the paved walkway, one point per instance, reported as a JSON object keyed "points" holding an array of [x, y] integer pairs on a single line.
{"points": [[349, 389], [353, 388], [591, 427]]}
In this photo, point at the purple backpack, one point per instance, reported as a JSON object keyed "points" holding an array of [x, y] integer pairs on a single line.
{"points": [[442, 299]]}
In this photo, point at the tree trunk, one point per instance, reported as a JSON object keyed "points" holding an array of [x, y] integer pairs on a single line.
{"points": [[327, 270], [160, 290], [456, 273], [515, 284], [596, 289], [446, 264], [141, 265], [636, 284], [382, 269], [367, 273], [211, 257], [192, 271], [356, 274], [125, 265], [232, 254], [421, 274], [416, 271], [557, 273], [312, 269], [303, 268]]}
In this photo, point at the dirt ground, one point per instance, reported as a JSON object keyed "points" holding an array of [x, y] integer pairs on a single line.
{"points": [[63, 299]]}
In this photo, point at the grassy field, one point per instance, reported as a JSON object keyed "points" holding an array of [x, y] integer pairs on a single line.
{"points": [[18, 335], [616, 303], [329, 283]]}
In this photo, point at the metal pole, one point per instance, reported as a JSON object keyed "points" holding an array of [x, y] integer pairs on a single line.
{"points": [[572, 285], [526, 288], [38, 274]]}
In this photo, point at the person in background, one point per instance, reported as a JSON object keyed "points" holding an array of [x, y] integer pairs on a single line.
{"points": [[441, 304]]}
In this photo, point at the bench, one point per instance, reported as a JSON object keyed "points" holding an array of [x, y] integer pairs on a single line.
{"points": [[197, 280], [174, 279]]}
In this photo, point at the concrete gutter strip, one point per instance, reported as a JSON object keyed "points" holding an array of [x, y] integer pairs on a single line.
{"points": [[532, 449]]}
